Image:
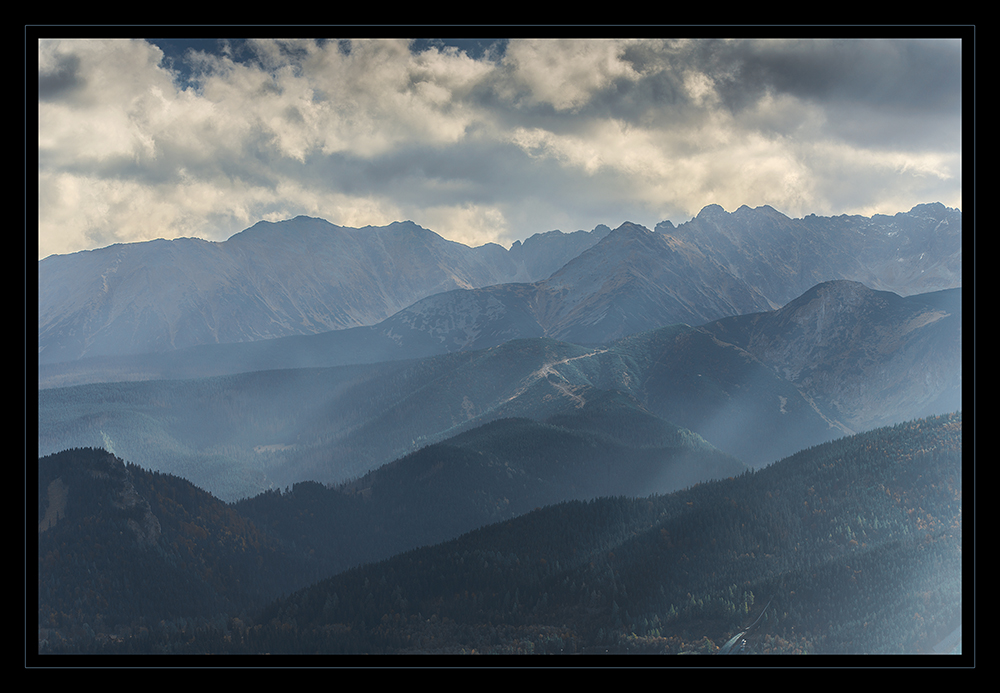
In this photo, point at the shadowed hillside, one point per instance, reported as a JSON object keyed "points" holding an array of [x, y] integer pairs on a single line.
{"points": [[853, 546]]}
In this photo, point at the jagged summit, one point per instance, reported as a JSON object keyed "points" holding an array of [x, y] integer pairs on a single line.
{"points": [[712, 211], [762, 210], [405, 224], [932, 209], [627, 229], [717, 213]]}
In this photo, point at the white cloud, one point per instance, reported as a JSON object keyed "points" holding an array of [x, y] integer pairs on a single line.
{"points": [[564, 73], [479, 150]]}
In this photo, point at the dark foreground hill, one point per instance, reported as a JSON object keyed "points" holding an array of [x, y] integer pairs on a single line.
{"points": [[123, 551], [122, 548], [854, 546]]}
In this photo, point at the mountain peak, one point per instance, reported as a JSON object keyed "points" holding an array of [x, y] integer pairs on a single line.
{"points": [[406, 223], [269, 227], [631, 228], [935, 210], [836, 287], [836, 297], [762, 209], [712, 211]]}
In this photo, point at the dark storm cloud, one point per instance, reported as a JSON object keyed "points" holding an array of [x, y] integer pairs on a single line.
{"points": [[888, 81], [888, 92], [60, 79], [903, 79], [900, 74]]}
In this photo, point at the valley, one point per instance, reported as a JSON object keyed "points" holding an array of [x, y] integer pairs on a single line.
{"points": [[737, 386]]}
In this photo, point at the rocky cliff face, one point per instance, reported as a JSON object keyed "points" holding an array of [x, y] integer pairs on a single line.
{"points": [[907, 253]]}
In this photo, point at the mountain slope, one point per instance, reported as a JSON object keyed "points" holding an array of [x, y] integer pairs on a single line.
{"points": [[867, 357], [725, 394], [634, 280], [300, 276]]}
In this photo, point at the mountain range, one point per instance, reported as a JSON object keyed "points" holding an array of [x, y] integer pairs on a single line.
{"points": [[307, 276], [310, 438], [299, 276], [621, 282]]}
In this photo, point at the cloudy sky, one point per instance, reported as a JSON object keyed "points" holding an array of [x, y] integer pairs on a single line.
{"points": [[484, 141]]}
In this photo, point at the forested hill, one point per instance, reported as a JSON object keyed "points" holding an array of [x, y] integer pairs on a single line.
{"points": [[124, 552], [121, 547], [491, 473], [855, 545]]}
